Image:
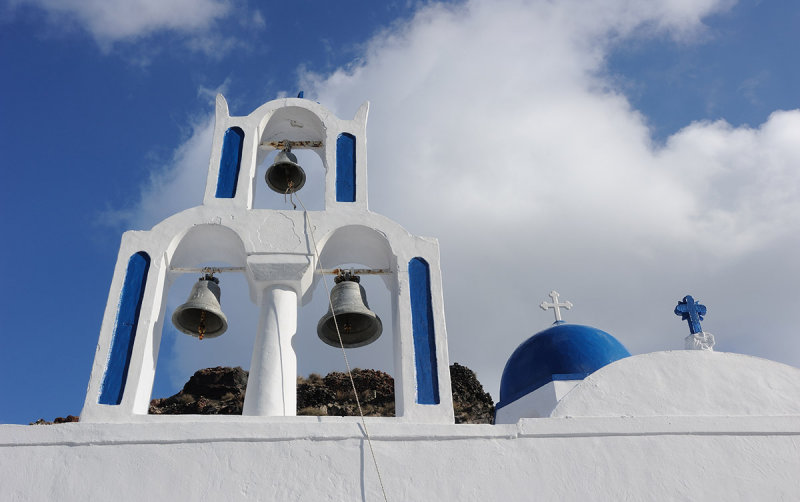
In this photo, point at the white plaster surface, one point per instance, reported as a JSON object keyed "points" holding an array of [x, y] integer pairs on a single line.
{"points": [[651, 458], [686, 382], [536, 404], [699, 341], [274, 364]]}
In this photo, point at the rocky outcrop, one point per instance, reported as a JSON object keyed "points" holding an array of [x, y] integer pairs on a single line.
{"points": [[471, 405], [221, 390], [333, 394], [58, 420], [212, 391]]}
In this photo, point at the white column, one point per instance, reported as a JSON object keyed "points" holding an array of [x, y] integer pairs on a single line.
{"points": [[272, 385]]}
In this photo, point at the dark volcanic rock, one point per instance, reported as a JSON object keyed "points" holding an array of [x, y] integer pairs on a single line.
{"points": [[220, 391], [57, 420], [333, 395], [471, 405], [212, 391]]}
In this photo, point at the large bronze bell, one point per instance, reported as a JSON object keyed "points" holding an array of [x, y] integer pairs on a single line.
{"points": [[201, 315], [358, 325], [285, 175]]}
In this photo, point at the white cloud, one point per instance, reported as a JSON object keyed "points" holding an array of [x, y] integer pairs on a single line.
{"points": [[744, 181], [114, 20], [177, 185], [494, 128]]}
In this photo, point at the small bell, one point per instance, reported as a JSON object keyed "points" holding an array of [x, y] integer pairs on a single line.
{"points": [[201, 315], [358, 325], [285, 175]]}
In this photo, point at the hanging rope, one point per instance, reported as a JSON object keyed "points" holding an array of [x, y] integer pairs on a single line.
{"points": [[341, 344], [290, 192]]}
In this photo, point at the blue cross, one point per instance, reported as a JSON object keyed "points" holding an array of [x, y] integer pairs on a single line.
{"points": [[691, 311]]}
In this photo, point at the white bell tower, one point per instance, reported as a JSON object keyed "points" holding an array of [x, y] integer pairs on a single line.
{"points": [[279, 252]]}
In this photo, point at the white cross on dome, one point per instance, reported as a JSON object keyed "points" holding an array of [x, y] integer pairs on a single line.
{"points": [[556, 305]]}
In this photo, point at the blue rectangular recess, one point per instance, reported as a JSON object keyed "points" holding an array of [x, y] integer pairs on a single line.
{"points": [[346, 168], [130, 304], [229, 163], [419, 279]]}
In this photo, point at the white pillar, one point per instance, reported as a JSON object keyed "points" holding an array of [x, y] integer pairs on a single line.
{"points": [[272, 385]]}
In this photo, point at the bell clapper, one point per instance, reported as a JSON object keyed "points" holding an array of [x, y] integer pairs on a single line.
{"points": [[201, 327]]}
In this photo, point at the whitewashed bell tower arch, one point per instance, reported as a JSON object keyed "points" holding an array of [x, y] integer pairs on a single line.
{"points": [[277, 252]]}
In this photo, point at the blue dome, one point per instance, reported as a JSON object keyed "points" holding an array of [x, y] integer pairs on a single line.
{"points": [[561, 352]]}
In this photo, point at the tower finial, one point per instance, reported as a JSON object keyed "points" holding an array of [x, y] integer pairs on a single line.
{"points": [[556, 305], [691, 311]]}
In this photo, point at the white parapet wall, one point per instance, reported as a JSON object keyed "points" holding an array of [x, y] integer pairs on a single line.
{"points": [[539, 403], [239, 458]]}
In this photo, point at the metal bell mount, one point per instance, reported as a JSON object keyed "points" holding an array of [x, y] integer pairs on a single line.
{"points": [[201, 316], [285, 175], [358, 325]]}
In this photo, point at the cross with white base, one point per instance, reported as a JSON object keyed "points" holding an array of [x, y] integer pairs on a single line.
{"points": [[556, 305], [691, 311]]}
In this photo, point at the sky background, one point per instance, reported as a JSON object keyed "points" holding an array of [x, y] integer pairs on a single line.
{"points": [[624, 153]]}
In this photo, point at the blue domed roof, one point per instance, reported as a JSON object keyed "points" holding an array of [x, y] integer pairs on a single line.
{"points": [[561, 352]]}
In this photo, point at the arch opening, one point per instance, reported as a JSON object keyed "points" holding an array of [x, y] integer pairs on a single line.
{"points": [[315, 357], [351, 247], [181, 355], [312, 193]]}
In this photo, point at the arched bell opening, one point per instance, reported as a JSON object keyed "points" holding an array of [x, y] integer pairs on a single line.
{"points": [[312, 194], [206, 243], [291, 122], [356, 248], [314, 356], [203, 249], [304, 133], [181, 355]]}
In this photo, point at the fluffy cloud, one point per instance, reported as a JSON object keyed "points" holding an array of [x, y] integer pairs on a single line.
{"points": [[177, 185], [113, 20], [495, 128]]}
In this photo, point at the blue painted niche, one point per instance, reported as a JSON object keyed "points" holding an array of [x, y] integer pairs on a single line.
{"points": [[346, 168], [130, 303], [229, 163], [419, 279]]}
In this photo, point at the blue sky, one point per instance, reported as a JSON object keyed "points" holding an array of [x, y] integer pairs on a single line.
{"points": [[624, 154]]}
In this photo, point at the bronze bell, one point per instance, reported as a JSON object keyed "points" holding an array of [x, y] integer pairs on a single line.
{"points": [[358, 325], [201, 315], [285, 175]]}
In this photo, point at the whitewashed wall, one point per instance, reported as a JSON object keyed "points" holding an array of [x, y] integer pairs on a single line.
{"points": [[679, 425], [652, 458]]}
